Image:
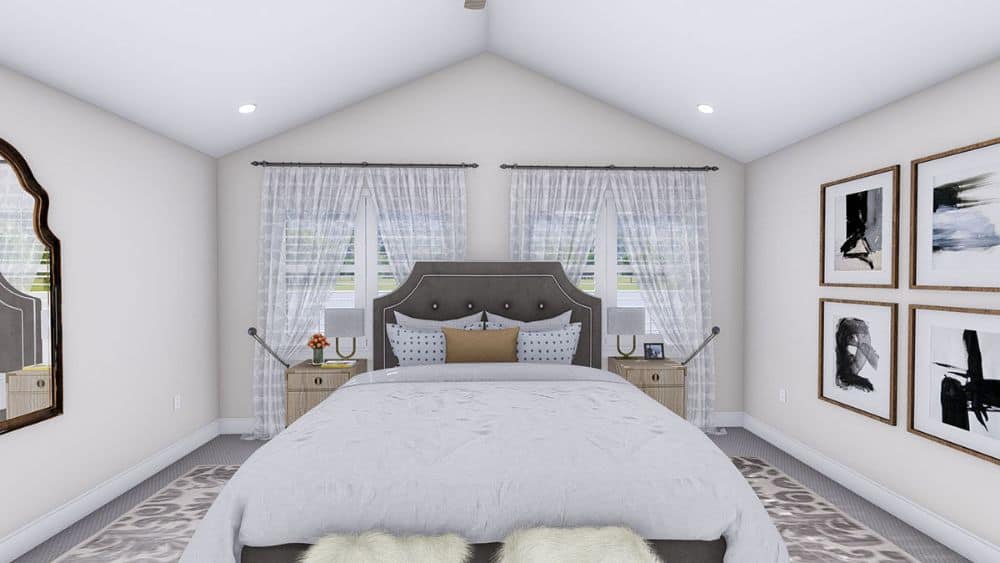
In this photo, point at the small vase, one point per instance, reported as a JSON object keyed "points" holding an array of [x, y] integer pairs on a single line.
{"points": [[317, 356]]}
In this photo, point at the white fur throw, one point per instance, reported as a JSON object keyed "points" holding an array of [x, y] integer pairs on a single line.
{"points": [[576, 545], [380, 547]]}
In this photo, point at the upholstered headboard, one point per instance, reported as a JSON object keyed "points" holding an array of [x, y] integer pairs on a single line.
{"points": [[526, 291], [20, 328]]}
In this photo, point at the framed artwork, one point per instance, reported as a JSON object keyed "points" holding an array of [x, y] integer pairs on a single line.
{"points": [[653, 351], [857, 357], [955, 219], [859, 229], [955, 378]]}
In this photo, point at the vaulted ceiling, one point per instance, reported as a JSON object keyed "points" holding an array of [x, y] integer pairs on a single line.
{"points": [[776, 71]]}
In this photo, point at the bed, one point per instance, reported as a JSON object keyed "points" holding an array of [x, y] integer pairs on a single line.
{"points": [[484, 449]]}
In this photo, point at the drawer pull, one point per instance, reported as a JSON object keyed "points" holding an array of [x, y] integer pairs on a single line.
{"points": [[656, 377], [40, 383], [318, 381]]}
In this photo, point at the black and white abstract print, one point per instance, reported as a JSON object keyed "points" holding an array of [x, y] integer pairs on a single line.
{"points": [[854, 351], [856, 369], [966, 374], [956, 235], [966, 221], [858, 229], [860, 247]]}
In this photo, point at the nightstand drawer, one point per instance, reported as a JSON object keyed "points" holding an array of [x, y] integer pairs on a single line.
{"points": [[24, 383], [327, 380], [647, 377]]}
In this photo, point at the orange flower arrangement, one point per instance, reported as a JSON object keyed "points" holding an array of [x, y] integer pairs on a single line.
{"points": [[318, 342]]}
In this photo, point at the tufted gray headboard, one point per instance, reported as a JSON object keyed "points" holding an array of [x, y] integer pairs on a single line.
{"points": [[526, 291], [20, 328]]}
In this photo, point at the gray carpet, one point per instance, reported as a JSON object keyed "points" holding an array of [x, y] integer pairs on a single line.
{"points": [[230, 450]]}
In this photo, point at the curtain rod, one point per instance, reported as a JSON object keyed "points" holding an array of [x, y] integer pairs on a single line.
{"points": [[365, 164], [608, 167]]}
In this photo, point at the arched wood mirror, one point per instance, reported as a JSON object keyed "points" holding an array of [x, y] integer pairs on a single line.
{"points": [[30, 321]]}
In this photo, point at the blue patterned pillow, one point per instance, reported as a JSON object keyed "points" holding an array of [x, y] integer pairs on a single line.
{"points": [[549, 346], [416, 347]]}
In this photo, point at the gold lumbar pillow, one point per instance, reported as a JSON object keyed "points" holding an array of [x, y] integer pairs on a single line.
{"points": [[480, 345]]}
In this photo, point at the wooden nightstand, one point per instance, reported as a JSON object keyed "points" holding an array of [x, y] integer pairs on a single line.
{"points": [[662, 380], [28, 390], [307, 385]]}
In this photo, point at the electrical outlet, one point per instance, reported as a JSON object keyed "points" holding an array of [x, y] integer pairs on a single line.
{"points": [[177, 402], [782, 396]]}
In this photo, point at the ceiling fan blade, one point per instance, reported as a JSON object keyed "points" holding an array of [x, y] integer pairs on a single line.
{"points": [[475, 4]]}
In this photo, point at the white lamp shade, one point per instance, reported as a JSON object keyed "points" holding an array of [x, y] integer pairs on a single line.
{"points": [[345, 322], [626, 320]]}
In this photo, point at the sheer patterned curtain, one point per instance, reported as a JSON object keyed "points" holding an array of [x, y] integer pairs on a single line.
{"points": [[22, 255], [554, 214], [663, 222], [307, 221], [421, 214]]}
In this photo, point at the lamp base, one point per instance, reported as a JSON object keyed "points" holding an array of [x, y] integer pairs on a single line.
{"points": [[354, 348], [624, 354]]}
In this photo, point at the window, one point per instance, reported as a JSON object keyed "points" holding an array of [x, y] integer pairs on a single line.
{"points": [[366, 273], [610, 265]]}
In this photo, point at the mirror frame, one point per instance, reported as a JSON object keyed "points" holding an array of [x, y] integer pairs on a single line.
{"points": [[45, 235]]}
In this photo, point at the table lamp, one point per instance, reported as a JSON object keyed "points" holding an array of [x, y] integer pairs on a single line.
{"points": [[626, 320], [345, 322]]}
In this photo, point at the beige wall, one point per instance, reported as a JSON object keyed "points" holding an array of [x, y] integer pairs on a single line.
{"points": [[782, 292], [489, 111], [136, 217]]}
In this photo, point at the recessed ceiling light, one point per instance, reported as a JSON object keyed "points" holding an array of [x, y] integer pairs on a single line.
{"points": [[248, 108], [705, 108]]}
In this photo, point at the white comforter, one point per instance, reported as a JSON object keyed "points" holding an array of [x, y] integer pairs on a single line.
{"points": [[481, 450]]}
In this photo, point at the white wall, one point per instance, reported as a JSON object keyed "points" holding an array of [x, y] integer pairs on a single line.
{"points": [[136, 217], [489, 111], [782, 291]]}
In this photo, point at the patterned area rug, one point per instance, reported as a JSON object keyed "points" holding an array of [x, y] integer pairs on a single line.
{"points": [[814, 529], [159, 529]]}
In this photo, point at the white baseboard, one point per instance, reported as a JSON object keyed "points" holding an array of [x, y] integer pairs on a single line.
{"points": [[235, 425], [727, 419], [934, 525], [24, 539]]}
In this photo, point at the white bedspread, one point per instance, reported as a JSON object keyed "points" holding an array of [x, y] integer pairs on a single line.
{"points": [[481, 450]]}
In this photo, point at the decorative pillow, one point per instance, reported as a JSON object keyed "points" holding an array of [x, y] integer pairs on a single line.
{"points": [[416, 347], [379, 547], [486, 326], [480, 345], [549, 346], [579, 545], [428, 324], [558, 321]]}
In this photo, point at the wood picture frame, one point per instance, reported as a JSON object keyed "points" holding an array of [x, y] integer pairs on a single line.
{"points": [[826, 272], [47, 238], [911, 425], [888, 376], [915, 201]]}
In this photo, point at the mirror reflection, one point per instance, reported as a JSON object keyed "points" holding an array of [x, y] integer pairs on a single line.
{"points": [[26, 382]]}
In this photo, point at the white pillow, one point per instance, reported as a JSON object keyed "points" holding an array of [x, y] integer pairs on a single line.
{"points": [[416, 347], [549, 346], [425, 324], [558, 321]]}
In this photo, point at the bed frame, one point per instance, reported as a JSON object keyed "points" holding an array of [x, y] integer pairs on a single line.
{"points": [[526, 291]]}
